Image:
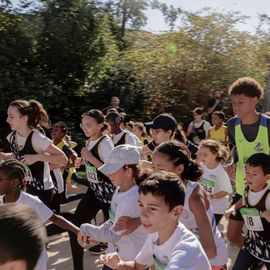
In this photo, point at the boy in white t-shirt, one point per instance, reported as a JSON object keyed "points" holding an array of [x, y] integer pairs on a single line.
{"points": [[169, 245], [121, 168], [22, 237]]}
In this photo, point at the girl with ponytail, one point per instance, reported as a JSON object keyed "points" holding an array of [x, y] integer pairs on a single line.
{"points": [[173, 156], [32, 147]]}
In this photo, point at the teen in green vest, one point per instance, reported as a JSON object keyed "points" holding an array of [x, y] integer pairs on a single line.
{"points": [[249, 133]]}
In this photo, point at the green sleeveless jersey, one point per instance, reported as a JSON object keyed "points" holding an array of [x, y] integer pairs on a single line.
{"points": [[245, 149]]}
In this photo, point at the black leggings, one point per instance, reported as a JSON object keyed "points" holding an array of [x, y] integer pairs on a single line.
{"points": [[244, 260], [86, 210]]}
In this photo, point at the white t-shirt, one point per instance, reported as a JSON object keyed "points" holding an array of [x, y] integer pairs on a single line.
{"points": [[130, 138], [182, 251], [43, 212], [104, 148], [40, 144], [122, 204], [213, 181]]}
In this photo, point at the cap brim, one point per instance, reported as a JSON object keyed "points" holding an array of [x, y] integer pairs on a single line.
{"points": [[109, 168], [149, 124]]}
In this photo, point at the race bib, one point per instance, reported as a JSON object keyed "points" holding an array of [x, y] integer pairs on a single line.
{"points": [[91, 173], [111, 215], [252, 219], [208, 185], [159, 265]]}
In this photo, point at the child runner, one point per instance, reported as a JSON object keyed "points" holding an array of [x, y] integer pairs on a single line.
{"points": [[249, 133], [12, 177], [22, 237], [121, 168], [140, 131], [61, 140], [99, 194], [215, 180], [119, 135], [198, 215], [198, 129], [255, 209], [219, 131], [169, 244], [34, 149]]}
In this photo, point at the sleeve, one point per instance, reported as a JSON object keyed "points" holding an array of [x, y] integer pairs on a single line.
{"points": [[180, 261], [105, 148], [40, 142], [231, 131], [145, 256], [133, 140], [206, 127], [44, 212], [224, 183], [102, 233]]}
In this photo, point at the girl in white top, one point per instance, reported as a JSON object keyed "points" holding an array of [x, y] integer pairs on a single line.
{"points": [[12, 177], [199, 128], [197, 216], [30, 146], [121, 167], [215, 180]]}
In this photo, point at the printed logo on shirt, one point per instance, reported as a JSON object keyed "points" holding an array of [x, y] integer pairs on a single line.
{"points": [[259, 147]]}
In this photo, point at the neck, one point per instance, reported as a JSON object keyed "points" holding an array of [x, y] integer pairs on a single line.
{"points": [[96, 136], [165, 233], [259, 188], [250, 118], [128, 184], [24, 131], [117, 131], [217, 126], [12, 196], [212, 165], [56, 141]]}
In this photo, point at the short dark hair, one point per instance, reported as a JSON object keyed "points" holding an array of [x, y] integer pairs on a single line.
{"points": [[198, 111], [260, 160], [220, 114], [165, 185], [114, 117], [246, 86], [22, 235], [14, 169]]}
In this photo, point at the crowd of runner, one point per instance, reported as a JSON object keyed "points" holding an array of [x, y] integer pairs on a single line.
{"points": [[162, 190]]}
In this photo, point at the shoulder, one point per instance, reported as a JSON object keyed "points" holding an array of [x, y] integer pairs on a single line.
{"points": [[206, 124], [232, 121], [38, 136]]}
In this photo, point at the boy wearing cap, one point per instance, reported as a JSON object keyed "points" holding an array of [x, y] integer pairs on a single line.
{"points": [[162, 129], [121, 168]]}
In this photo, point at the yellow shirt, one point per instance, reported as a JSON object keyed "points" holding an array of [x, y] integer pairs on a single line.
{"points": [[218, 135]]}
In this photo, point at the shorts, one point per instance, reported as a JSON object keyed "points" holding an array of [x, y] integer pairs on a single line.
{"points": [[235, 198]]}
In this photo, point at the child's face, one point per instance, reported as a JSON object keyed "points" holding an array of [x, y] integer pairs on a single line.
{"points": [[160, 135], [5, 184], [137, 131], [57, 133], [255, 178], [15, 119], [120, 177], [90, 126], [243, 105], [155, 214], [161, 162], [206, 156], [216, 120]]}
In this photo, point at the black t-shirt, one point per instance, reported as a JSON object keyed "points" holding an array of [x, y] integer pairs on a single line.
{"points": [[211, 103]]}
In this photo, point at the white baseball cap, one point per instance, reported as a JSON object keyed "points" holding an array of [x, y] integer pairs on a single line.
{"points": [[121, 155]]}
